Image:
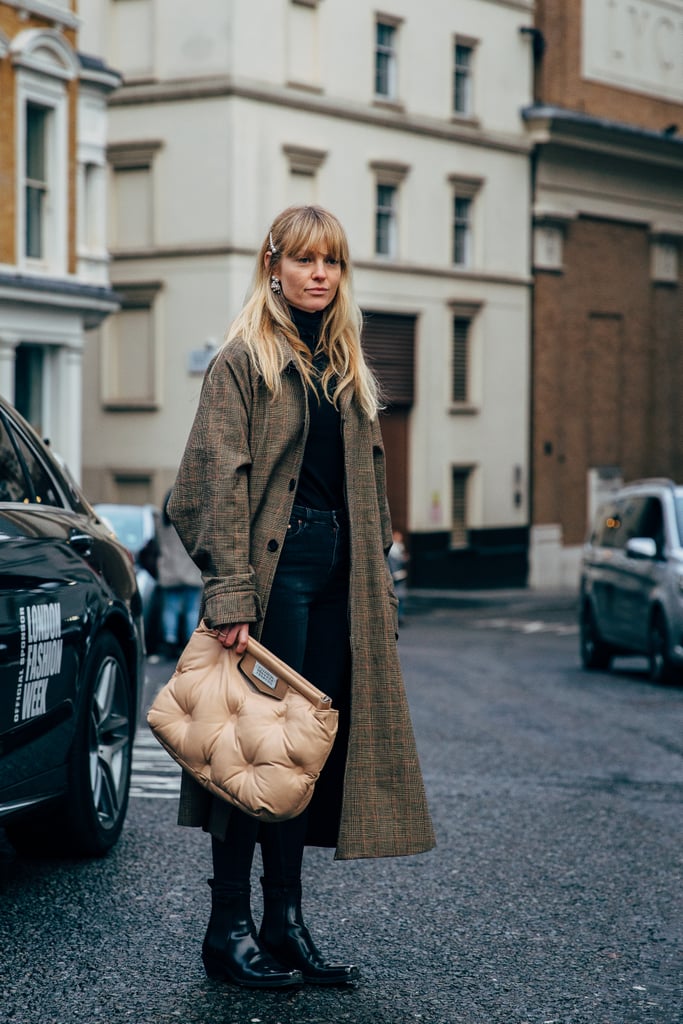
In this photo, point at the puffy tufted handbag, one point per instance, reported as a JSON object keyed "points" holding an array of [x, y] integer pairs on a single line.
{"points": [[249, 729]]}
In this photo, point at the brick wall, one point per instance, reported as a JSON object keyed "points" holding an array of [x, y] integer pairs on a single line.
{"points": [[559, 80], [10, 25], [607, 370]]}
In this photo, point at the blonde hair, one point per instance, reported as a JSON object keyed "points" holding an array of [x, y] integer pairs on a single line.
{"points": [[265, 318]]}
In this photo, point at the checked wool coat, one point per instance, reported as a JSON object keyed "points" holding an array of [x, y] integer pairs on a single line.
{"points": [[231, 505]]}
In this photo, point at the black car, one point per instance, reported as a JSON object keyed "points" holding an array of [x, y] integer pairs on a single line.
{"points": [[71, 657]]}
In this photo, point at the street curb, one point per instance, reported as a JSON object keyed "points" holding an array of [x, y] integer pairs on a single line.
{"points": [[421, 599]]}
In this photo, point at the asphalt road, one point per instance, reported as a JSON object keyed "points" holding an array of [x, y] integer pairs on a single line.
{"points": [[555, 895]]}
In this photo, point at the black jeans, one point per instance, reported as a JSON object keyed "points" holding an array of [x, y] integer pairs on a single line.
{"points": [[306, 624]]}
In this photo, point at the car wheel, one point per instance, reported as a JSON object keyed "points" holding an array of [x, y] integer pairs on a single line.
{"points": [[89, 819], [595, 653], [101, 756], [661, 669]]}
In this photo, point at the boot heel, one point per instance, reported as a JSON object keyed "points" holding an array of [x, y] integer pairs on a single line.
{"points": [[213, 967]]}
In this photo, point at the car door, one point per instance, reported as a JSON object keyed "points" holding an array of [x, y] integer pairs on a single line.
{"points": [[47, 597], [602, 564], [635, 577], [642, 575]]}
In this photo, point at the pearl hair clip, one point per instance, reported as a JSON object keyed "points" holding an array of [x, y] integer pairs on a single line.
{"points": [[273, 250]]}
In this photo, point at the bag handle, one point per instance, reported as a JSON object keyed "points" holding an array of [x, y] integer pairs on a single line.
{"points": [[262, 656], [258, 657]]}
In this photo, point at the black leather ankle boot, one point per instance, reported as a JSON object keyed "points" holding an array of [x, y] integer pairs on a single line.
{"points": [[232, 951], [284, 934]]}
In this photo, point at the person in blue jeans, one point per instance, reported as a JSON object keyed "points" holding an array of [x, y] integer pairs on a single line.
{"points": [[181, 587]]}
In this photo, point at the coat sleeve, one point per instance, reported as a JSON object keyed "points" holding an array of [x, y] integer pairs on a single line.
{"points": [[381, 484], [209, 505]]}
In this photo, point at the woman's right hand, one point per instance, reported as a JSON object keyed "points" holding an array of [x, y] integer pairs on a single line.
{"points": [[235, 635]]}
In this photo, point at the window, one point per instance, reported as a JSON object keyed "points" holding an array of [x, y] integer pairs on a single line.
{"points": [[44, 64], [36, 179], [462, 231], [464, 192], [385, 60], [13, 483], [23, 477], [91, 208], [459, 487], [388, 175], [29, 383], [462, 79], [129, 359], [385, 221], [45, 488], [304, 164], [132, 193], [460, 380]]}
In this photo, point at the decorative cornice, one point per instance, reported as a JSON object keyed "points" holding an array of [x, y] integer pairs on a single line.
{"points": [[450, 273], [93, 302], [95, 72], [389, 172], [45, 51], [134, 154], [303, 160], [571, 128], [184, 90], [44, 9]]}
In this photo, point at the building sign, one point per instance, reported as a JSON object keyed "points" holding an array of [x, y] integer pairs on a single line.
{"points": [[635, 44]]}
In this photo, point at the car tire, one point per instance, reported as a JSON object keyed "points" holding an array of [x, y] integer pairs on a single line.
{"points": [[595, 653], [661, 669], [102, 753], [87, 821]]}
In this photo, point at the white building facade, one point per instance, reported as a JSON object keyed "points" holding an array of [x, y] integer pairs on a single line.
{"points": [[405, 121], [54, 275]]}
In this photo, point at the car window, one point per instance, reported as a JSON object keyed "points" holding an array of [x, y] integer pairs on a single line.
{"points": [[13, 483], [127, 522], [608, 527], [678, 502], [47, 491], [651, 523]]}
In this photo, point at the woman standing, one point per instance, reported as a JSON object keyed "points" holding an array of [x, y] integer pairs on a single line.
{"points": [[280, 499]]}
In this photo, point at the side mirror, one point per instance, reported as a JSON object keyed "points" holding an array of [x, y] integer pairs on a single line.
{"points": [[641, 547]]}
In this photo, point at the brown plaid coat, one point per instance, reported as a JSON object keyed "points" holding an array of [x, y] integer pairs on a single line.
{"points": [[231, 504]]}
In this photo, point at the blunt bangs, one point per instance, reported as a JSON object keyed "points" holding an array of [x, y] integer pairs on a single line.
{"points": [[312, 230]]}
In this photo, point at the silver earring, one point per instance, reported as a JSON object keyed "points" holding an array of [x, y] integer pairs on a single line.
{"points": [[275, 285]]}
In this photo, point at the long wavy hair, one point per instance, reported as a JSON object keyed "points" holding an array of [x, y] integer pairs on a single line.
{"points": [[265, 318]]}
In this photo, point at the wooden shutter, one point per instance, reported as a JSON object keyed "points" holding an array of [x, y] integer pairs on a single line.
{"points": [[389, 346], [460, 380]]}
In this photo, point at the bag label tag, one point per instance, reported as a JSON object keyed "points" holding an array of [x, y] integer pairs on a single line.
{"points": [[266, 677]]}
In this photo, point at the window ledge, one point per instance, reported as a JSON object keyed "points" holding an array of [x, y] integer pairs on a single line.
{"points": [[386, 103], [463, 409], [135, 405], [465, 120]]}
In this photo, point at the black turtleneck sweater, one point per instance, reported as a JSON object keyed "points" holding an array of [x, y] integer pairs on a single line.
{"points": [[321, 481]]}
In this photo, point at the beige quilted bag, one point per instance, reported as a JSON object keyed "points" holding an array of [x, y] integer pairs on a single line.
{"points": [[249, 729]]}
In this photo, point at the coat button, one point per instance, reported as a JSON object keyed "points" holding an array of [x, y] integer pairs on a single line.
{"points": [[273, 545], [292, 484]]}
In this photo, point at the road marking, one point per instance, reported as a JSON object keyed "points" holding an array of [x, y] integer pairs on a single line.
{"points": [[155, 774], [529, 626]]}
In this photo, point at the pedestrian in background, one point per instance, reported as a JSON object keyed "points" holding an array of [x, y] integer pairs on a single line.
{"points": [[280, 499], [398, 567], [180, 582]]}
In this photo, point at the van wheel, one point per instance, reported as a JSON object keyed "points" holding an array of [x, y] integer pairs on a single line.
{"points": [[661, 669], [595, 653]]}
